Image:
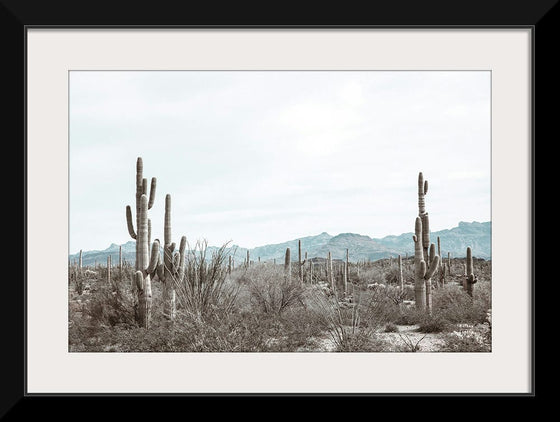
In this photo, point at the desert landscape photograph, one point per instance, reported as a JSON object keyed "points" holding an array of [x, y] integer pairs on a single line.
{"points": [[280, 211]]}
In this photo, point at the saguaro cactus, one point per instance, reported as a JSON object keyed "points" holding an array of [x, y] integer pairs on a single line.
{"points": [[143, 265], [288, 264], [330, 272], [300, 265], [109, 269], [423, 271], [80, 264], [401, 280], [347, 268], [470, 279], [172, 270], [426, 261]]}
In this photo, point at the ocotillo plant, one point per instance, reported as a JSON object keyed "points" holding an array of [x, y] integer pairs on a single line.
{"points": [[172, 270], [470, 279], [141, 189], [423, 271], [441, 266], [288, 264]]}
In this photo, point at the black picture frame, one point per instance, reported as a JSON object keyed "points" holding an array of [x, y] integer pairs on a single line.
{"points": [[17, 16]]}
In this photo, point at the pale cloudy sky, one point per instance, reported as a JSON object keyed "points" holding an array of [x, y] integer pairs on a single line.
{"points": [[263, 157]]}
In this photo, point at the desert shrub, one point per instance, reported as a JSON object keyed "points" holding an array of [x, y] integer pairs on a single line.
{"points": [[454, 305], [434, 323], [350, 324], [469, 339], [391, 327], [271, 291], [110, 305], [409, 316]]}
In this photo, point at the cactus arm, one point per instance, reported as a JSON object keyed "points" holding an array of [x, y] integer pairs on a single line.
{"points": [[149, 231], [182, 248], [129, 223], [176, 260], [139, 279], [425, 187], [152, 193], [159, 271], [154, 258], [167, 221], [422, 269], [433, 267], [432, 253]]}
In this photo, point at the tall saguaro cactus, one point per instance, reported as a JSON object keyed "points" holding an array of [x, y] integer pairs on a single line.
{"points": [[144, 266], [470, 279], [426, 261], [172, 270]]}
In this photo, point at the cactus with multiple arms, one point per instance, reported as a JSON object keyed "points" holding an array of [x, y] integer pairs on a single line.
{"points": [[172, 270], [145, 267], [426, 261]]}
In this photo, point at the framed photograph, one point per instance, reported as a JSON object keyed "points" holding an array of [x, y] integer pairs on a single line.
{"points": [[243, 210]]}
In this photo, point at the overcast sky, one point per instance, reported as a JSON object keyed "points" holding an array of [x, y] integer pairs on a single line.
{"points": [[264, 157]]}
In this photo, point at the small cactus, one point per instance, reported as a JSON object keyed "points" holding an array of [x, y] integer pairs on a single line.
{"points": [[300, 266], [288, 264], [330, 272], [470, 278]]}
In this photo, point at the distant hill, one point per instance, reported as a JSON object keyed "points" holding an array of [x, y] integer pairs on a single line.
{"points": [[360, 247]]}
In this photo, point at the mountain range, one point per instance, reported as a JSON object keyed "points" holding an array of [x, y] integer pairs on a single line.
{"points": [[360, 247]]}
